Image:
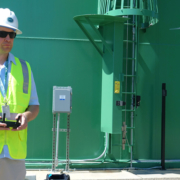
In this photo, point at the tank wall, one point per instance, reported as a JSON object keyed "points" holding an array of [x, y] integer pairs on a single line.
{"points": [[60, 55], [159, 63]]}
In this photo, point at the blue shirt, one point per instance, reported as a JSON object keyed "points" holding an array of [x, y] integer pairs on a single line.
{"points": [[33, 99]]}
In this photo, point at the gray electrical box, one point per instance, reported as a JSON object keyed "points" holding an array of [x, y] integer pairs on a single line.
{"points": [[62, 99]]}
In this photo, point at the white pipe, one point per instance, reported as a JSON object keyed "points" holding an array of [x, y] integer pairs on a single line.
{"points": [[134, 161], [84, 160], [97, 169], [157, 161]]}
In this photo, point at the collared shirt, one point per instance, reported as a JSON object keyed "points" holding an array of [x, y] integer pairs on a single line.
{"points": [[33, 99]]}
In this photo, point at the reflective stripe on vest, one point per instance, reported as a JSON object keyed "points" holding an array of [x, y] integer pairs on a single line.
{"points": [[25, 76]]}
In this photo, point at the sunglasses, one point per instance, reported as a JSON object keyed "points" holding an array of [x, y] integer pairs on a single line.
{"points": [[4, 34]]}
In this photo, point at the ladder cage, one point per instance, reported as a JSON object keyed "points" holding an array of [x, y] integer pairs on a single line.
{"points": [[148, 9], [108, 5]]}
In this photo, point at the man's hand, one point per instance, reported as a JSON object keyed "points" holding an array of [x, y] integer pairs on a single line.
{"points": [[23, 121], [30, 113], [3, 126]]}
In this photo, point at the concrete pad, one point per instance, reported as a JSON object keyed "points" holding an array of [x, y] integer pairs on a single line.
{"points": [[115, 175], [90, 175], [30, 177], [157, 174], [102, 175]]}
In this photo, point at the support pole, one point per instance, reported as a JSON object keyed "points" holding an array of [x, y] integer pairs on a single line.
{"points": [[57, 140], [164, 94], [53, 144], [67, 143]]}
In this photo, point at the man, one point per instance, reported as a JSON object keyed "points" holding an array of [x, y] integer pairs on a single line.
{"points": [[18, 99]]}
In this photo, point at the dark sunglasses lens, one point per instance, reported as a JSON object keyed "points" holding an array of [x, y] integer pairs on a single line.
{"points": [[12, 35], [4, 34]]}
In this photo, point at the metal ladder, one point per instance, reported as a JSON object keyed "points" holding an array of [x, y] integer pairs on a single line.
{"points": [[130, 95]]}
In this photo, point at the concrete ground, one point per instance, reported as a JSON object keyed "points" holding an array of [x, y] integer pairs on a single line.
{"points": [[171, 174]]}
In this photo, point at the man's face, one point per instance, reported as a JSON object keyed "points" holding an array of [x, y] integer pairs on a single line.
{"points": [[6, 43]]}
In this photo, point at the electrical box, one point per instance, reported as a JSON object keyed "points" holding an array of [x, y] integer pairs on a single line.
{"points": [[62, 99]]}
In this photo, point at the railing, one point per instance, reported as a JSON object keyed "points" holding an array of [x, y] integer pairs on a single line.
{"points": [[148, 9], [105, 6]]}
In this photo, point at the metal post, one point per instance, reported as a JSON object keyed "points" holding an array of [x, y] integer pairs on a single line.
{"points": [[67, 142], [53, 144], [164, 94], [57, 140]]}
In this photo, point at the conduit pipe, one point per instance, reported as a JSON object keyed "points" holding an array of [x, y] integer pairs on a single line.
{"points": [[86, 161], [95, 159], [134, 161], [77, 161], [90, 161], [100, 169]]}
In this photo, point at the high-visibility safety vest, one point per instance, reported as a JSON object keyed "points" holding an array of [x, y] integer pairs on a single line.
{"points": [[18, 96]]}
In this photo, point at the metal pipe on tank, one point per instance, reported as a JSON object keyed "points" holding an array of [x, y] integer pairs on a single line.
{"points": [[100, 169], [134, 161]]}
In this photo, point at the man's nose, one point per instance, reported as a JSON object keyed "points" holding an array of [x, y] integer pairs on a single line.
{"points": [[7, 38]]}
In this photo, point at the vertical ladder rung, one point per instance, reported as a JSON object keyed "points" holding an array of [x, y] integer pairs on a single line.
{"points": [[128, 92], [128, 41], [130, 58], [129, 24], [129, 75], [130, 127], [128, 110]]}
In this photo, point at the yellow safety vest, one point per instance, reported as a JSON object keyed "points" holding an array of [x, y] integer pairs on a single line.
{"points": [[18, 95]]}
